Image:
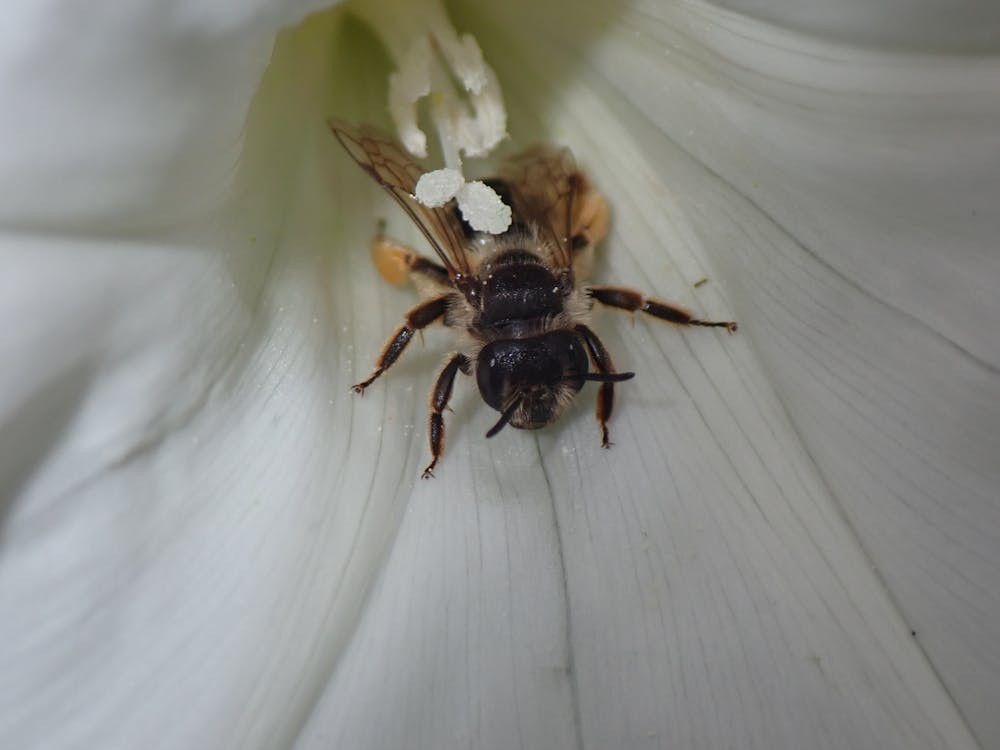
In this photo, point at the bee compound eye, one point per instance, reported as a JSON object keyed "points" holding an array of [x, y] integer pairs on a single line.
{"points": [[492, 375]]}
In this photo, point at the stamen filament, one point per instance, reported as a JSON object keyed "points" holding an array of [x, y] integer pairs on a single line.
{"points": [[430, 56]]}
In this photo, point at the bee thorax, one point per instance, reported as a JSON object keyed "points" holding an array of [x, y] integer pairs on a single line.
{"points": [[518, 287]]}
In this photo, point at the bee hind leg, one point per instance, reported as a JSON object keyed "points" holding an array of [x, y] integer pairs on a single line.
{"points": [[631, 300], [396, 263], [589, 228], [440, 397], [590, 222]]}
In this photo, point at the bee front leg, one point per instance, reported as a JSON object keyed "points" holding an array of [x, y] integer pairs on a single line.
{"points": [[440, 397], [416, 319], [631, 300], [603, 364]]}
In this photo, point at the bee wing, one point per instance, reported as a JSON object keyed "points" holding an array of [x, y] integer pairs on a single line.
{"points": [[544, 184], [385, 159]]}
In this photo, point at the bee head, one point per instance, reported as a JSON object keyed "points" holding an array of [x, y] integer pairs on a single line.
{"points": [[531, 381]]}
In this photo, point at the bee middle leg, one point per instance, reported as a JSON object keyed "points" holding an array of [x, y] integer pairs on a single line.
{"points": [[603, 364], [440, 397], [631, 300], [416, 319]]}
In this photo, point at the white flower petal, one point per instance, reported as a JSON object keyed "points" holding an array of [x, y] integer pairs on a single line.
{"points": [[875, 314], [963, 27], [151, 99], [200, 511], [173, 424], [699, 585]]}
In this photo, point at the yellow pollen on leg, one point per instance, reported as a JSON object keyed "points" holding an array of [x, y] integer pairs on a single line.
{"points": [[391, 261], [592, 217]]}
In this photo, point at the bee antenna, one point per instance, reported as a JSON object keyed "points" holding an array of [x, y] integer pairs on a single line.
{"points": [[604, 377], [504, 418]]}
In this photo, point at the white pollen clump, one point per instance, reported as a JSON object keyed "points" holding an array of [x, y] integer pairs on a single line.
{"points": [[480, 204], [436, 188], [483, 208]]}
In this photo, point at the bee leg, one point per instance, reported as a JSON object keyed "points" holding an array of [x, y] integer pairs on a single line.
{"points": [[589, 227], [631, 300], [590, 223], [603, 364], [396, 263], [440, 397], [416, 319]]}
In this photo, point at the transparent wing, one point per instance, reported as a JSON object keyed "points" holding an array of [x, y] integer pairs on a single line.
{"points": [[385, 159], [544, 184]]}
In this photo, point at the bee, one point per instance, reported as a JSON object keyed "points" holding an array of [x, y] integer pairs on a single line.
{"points": [[515, 299]]}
